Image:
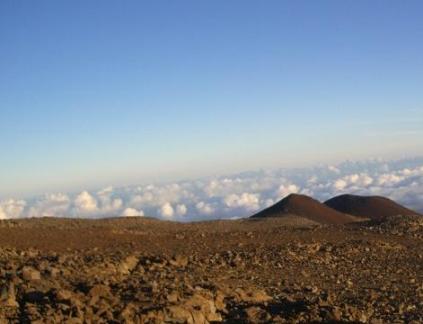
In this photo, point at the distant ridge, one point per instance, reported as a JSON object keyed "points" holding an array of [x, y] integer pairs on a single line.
{"points": [[306, 207], [373, 207]]}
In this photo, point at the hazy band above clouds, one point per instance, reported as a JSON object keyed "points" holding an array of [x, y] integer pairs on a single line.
{"points": [[231, 196]]}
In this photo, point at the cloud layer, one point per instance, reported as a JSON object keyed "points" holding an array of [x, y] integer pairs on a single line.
{"points": [[238, 195]]}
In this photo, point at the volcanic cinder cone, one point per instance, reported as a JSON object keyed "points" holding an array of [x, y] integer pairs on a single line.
{"points": [[372, 207], [306, 207]]}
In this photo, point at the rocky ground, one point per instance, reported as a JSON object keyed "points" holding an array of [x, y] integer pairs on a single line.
{"points": [[249, 271]]}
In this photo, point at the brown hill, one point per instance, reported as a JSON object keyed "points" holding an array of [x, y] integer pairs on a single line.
{"points": [[373, 207], [306, 207]]}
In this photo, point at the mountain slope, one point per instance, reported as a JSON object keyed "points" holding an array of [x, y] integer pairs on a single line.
{"points": [[306, 207], [374, 207]]}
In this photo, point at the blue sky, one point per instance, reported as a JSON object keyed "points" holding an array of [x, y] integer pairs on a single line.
{"points": [[111, 92]]}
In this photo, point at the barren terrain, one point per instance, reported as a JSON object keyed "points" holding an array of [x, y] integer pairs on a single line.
{"points": [[139, 270]]}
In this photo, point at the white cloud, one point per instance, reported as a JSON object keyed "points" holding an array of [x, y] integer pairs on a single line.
{"points": [[167, 210], [353, 180], [106, 191], [85, 202], [12, 208], [130, 212], [181, 210], [117, 203], [204, 208], [340, 184], [50, 205], [246, 200], [334, 169], [389, 179], [3, 214], [286, 189]]}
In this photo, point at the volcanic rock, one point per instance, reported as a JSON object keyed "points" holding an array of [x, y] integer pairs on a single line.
{"points": [[8, 296], [179, 261], [30, 274], [244, 271], [127, 265]]}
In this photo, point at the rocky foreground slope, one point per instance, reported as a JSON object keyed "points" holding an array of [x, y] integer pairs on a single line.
{"points": [[249, 271]]}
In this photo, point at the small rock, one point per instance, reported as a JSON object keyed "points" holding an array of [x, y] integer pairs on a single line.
{"points": [[178, 314], [172, 297], [8, 296], [53, 272], [334, 314], [127, 265], [63, 295], [257, 296], [99, 290], [179, 261], [30, 274], [256, 314]]}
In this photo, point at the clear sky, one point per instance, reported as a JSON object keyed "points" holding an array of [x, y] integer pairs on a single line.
{"points": [[119, 92]]}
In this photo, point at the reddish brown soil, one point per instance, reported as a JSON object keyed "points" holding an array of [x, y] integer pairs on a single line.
{"points": [[260, 270], [307, 207], [373, 207]]}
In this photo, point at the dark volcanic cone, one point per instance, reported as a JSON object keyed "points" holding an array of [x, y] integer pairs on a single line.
{"points": [[306, 207], [373, 207]]}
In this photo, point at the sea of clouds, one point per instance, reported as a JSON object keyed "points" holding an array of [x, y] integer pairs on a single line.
{"points": [[231, 196]]}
